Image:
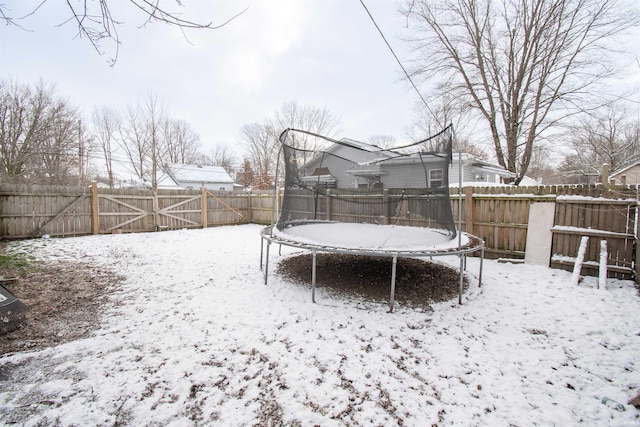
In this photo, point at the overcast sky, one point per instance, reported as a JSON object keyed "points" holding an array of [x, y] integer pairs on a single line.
{"points": [[322, 53]]}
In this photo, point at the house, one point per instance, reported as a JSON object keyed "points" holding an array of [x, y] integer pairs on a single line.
{"points": [[353, 164], [629, 175], [477, 172], [176, 175], [350, 164]]}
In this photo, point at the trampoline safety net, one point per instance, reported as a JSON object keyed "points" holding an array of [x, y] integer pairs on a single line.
{"points": [[350, 181]]}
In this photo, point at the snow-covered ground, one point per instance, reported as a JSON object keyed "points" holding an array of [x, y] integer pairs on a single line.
{"points": [[194, 337]]}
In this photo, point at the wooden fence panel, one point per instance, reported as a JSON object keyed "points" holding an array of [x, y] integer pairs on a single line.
{"points": [[500, 220], [227, 208], [178, 209], [126, 210], [261, 207], [32, 211], [610, 220], [366, 207]]}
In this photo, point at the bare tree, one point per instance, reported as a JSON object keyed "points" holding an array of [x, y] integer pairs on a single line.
{"points": [[305, 117], [262, 149], [432, 120], [97, 21], [149, 137], [143, 140], [106, 123], [606, 137], [38, 133], [182, 142], [542, 167], [261, 141], [523, 66], [221, 155], [59, 150], [133, 139]]}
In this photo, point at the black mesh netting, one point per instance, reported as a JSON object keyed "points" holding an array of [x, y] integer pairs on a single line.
{"points": [[350, 181]]}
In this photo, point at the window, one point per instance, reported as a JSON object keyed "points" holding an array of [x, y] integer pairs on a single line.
{"points": [[436, 178]]}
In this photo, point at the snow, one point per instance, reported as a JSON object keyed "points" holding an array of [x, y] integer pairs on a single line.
{"points": [[370, 236], [194, 337], [577, 268], [588, 199], [587, 231]]}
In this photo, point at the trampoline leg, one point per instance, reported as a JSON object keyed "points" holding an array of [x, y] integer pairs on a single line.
{"points": [[393, 283], [266, 264], [313, 278], [261, 250], [462, 262], [481, 262]]}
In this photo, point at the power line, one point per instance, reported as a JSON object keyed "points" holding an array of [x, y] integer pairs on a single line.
{"points": [[400, 63]]}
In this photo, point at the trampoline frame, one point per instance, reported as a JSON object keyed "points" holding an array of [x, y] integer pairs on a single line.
{"points": [[475, 245]]}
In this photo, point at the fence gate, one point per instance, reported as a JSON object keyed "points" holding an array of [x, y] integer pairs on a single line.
{"points": [[145, 210], [598, 219], [125, 210]]}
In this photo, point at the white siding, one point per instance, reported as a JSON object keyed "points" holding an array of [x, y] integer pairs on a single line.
{"points": [[468, 172], [339, 167]]}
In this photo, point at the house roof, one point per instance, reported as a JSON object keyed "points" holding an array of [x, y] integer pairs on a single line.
{"points": [[359, 146], [182, 173], [623, 170]]}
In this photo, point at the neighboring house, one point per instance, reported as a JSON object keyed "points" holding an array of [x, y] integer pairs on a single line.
{"points": [[177, 175], [627, 176], [477, 172], [372, 167], [333, 170]]}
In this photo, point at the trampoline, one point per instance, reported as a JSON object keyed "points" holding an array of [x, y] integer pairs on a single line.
{"points": [[346, 197]]}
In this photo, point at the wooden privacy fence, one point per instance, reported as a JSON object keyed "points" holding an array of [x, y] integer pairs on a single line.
{"points": [[499, 215], [33, 211]]}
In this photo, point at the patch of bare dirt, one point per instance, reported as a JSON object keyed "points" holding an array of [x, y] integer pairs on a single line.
{"points": [[419, 283], [64, 299]]}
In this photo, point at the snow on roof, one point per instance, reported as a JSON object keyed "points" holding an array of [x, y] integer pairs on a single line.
{"points": [[361, 145], [624, 169], [198, 174]]}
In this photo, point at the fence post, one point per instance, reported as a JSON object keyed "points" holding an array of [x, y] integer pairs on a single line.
{"points": [[606, 184], [636, 241], [386, 206], [250, 208], [204, 206], [328, 205], [156, 209], [468, 209], [95, 213]]}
